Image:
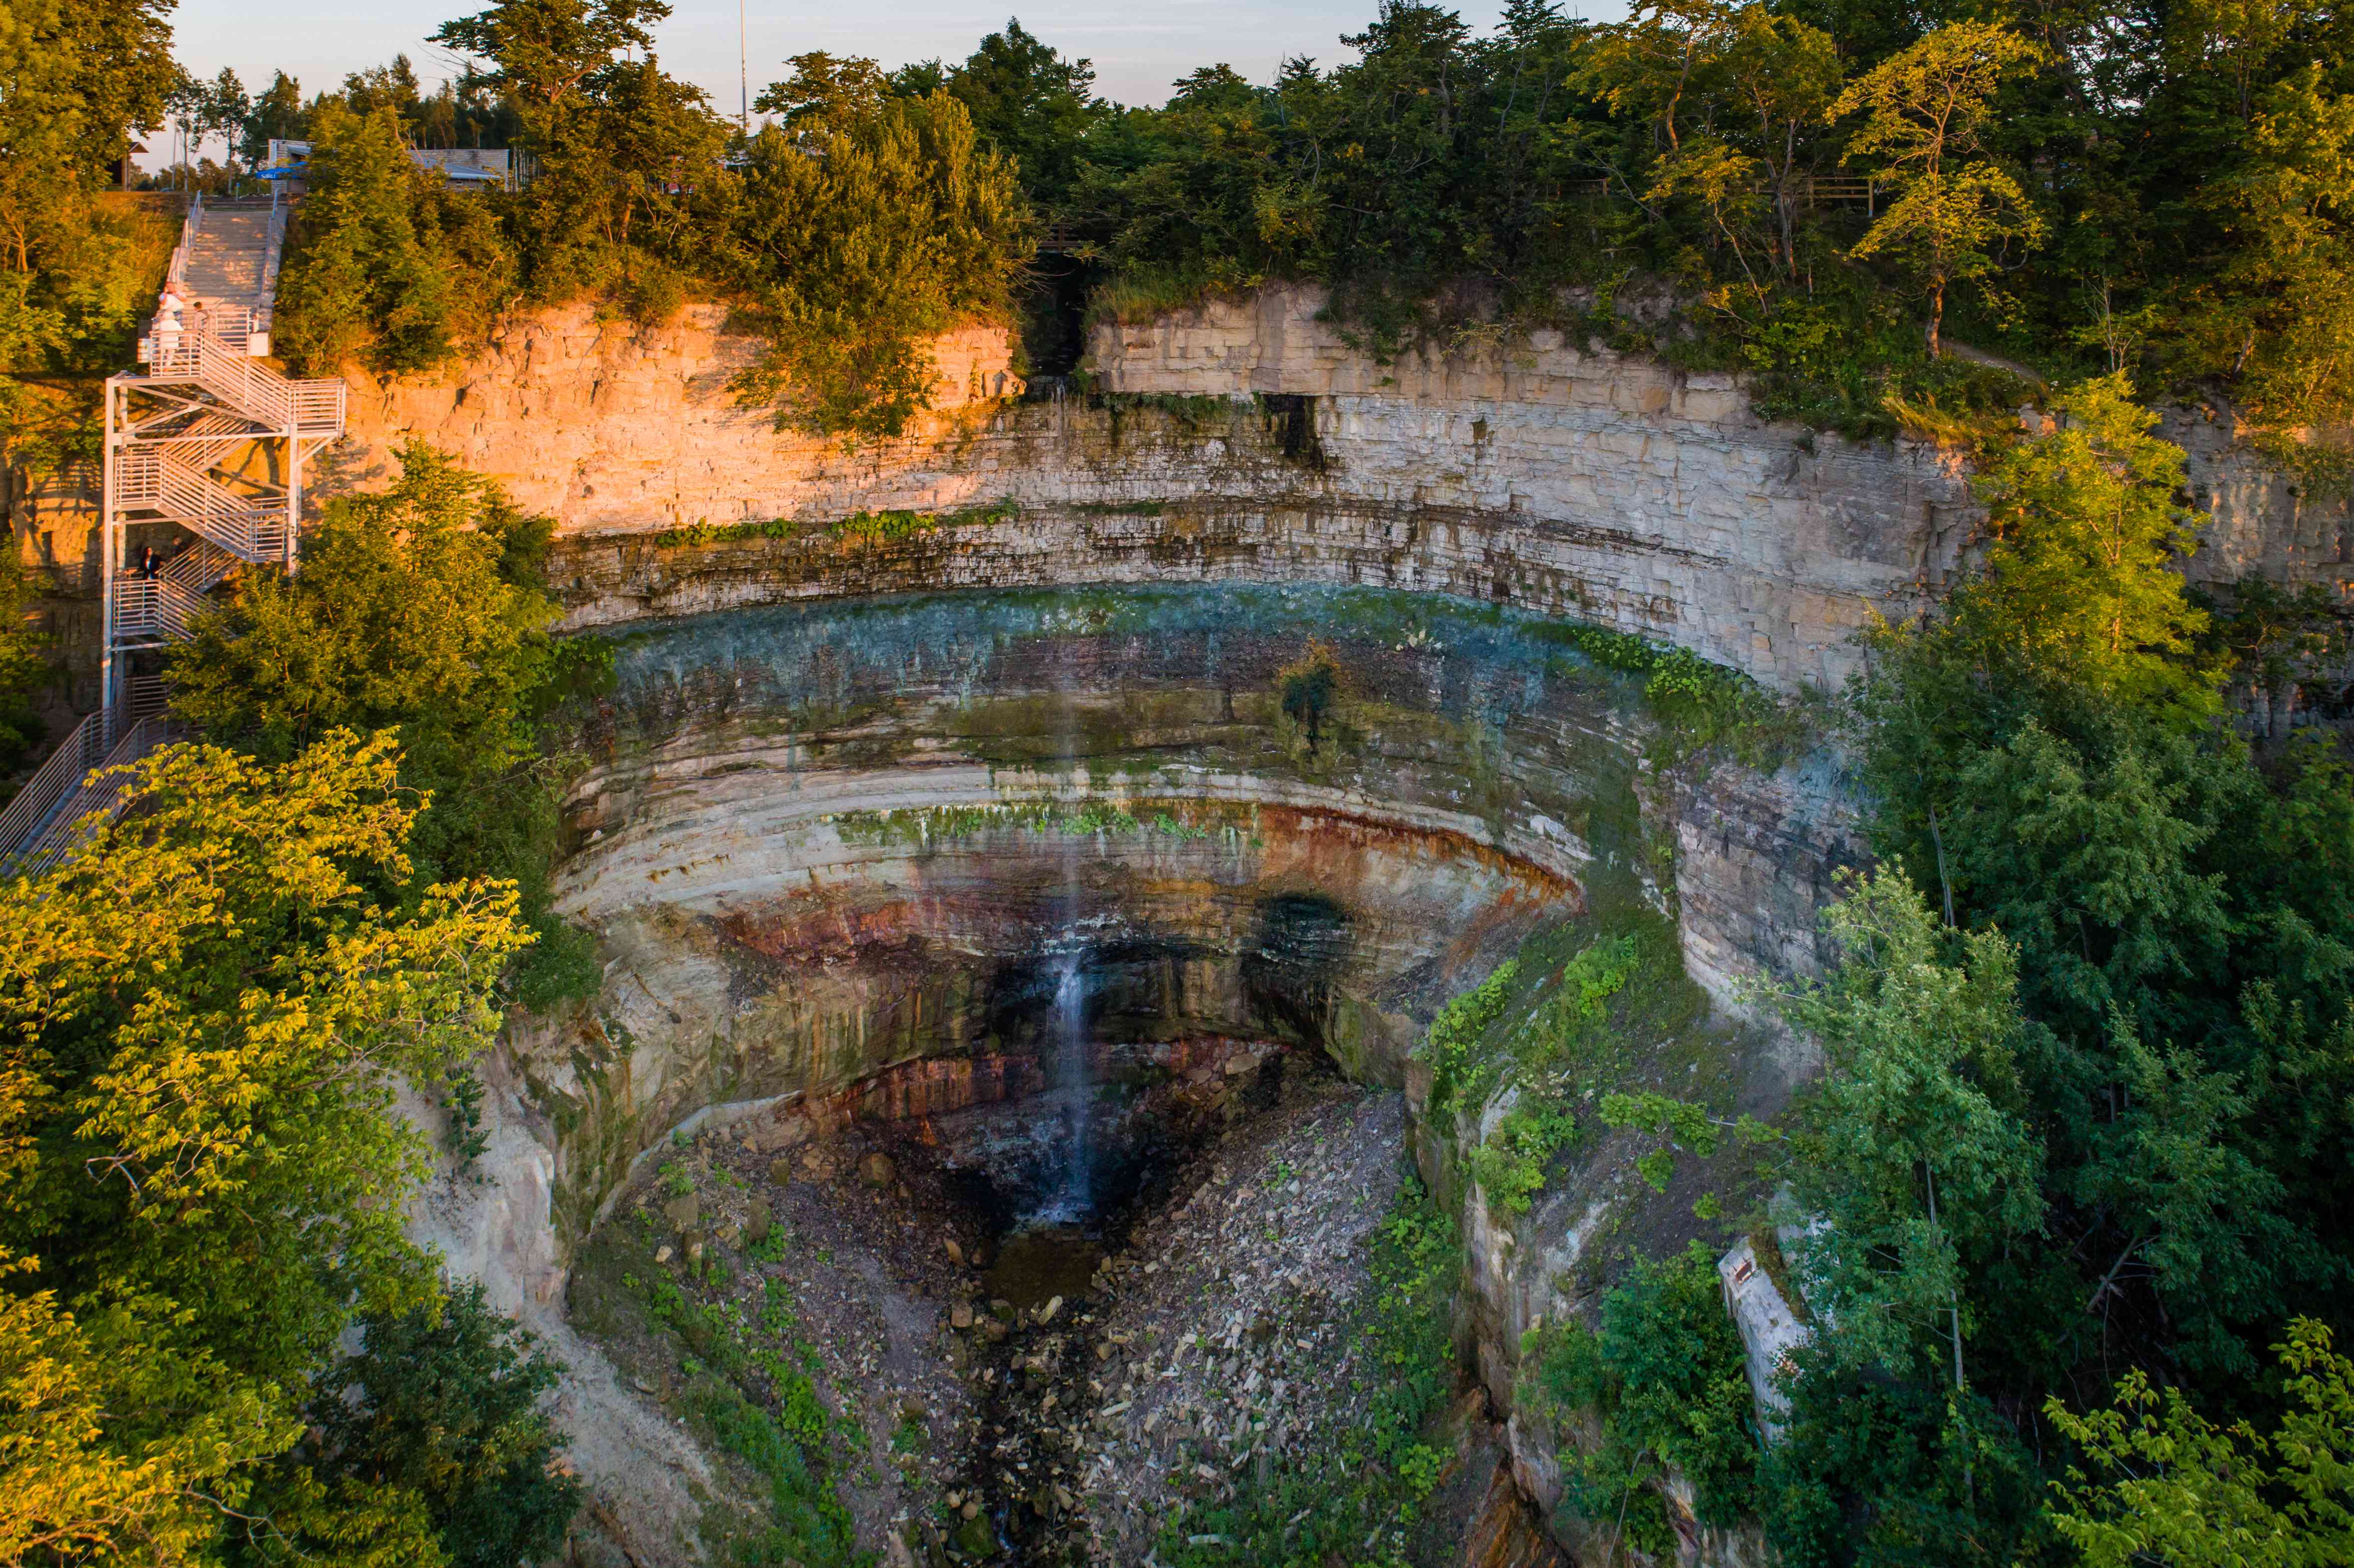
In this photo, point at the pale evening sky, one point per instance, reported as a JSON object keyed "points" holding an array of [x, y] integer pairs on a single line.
{"points": [[1138, 49]]}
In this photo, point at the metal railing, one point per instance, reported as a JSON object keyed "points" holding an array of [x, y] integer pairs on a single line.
{"points": [[200, 566], [95, 798], [208, 438], [36, 806], [156, 610], [152, 479], [1807, 190]]}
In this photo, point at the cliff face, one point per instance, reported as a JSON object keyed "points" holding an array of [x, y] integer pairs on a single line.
{"points": [[1246, 442], [822, 846], [1558, 480]]}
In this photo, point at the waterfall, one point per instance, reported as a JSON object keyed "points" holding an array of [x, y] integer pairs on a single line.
{"points": [[1073, 1197]]}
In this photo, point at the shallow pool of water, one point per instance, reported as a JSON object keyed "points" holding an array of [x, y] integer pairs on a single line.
{"points": [[1036, 1265]]}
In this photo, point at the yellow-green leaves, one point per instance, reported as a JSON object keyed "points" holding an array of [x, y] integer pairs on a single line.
{"points": [[2086, 532], [204, 1016], [93, 1475], [2281, 315], [1924, 109], [2163, 1484]]}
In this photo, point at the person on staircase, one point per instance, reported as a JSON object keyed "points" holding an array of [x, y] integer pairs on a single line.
{"points": [[167, 323], [150, 564]]}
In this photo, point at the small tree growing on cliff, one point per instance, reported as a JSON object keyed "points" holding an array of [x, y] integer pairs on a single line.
{"points": [[1308, 686], [2079, 581], [1911, 1155], [444, 1402]]}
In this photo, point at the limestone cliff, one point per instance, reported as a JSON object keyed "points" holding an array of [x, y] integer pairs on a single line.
{"points": [[1246, 442]]}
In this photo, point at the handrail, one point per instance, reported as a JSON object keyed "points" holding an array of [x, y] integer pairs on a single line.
{"points": [[33, 806], [156, 610], [201, 565], [312, 406], [97, 797], [151, 479]]}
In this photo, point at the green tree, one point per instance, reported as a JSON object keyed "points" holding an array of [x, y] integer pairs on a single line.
{"points": [[443, 1402], [21, 668], [363, 284], [630, 183], [1662, 55], [2278, 315], [549, 51], [1029, 103], [826, 89], [874, 226], [1925, 109], [277, 115], [2161, 1483], [1909, 1161], [203, 1018], [417, 609], [76, 83], [1680, 1383], [2084, 529]]}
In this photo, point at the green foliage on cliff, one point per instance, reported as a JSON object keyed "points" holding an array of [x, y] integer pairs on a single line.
{"points": [[2162, 1482], [1665, 1379], [848, 238], [1448, 1043], [77, 82], [876, 225], [444, 1402], [732, 1355], [21, 667], [1509, 1162], [1820, 196], [2088, 1040]]}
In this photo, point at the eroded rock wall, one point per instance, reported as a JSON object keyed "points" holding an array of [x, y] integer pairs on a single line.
{"points": [[1555, 477], [1552, 478], [822, 843]]}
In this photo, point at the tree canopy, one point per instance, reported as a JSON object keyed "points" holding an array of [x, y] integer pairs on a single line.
{"points": [[204, 1016]]}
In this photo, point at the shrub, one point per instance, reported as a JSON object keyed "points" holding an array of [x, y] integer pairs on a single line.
{"points": [[1446, 1045], [446, 1403]]}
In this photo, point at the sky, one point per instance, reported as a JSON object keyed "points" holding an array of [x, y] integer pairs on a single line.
{"points": [[1138, 49]]}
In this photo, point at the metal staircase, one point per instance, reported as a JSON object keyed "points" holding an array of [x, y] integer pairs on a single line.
{"points": [[204, 458]]}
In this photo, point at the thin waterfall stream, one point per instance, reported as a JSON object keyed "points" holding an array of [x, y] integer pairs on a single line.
{"points": [[1073, 1201]]}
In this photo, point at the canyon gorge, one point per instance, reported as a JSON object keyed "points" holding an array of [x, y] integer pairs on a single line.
{"points": [[1068, 818]]}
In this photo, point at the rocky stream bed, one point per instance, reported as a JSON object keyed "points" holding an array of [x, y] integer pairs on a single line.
{"points": [[897, 1369]]}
